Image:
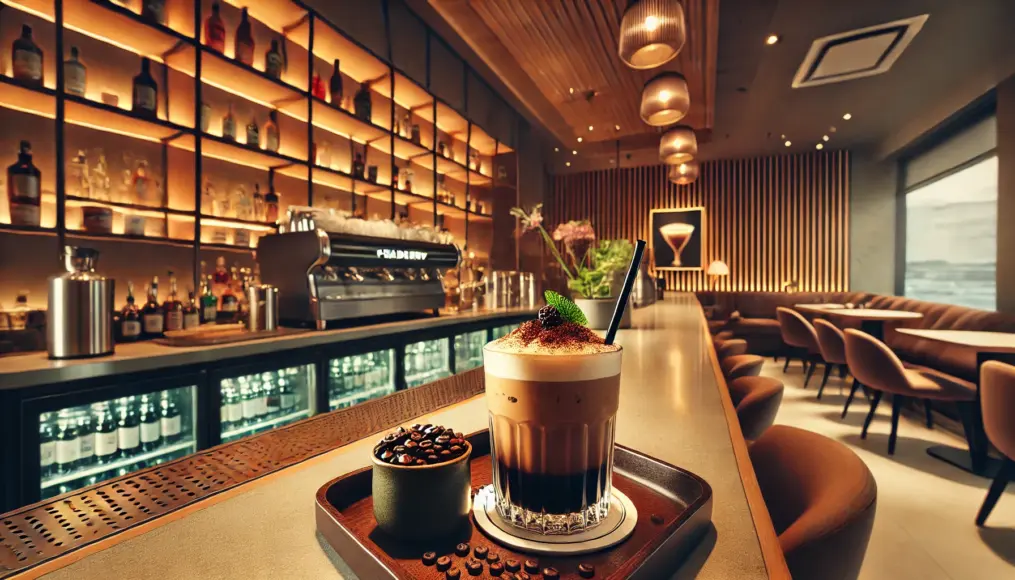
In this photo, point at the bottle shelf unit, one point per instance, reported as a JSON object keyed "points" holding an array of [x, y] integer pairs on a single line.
{"points": [[189, 73]]}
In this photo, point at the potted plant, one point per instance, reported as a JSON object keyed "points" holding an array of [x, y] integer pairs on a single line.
{"points": [[590, 267]]}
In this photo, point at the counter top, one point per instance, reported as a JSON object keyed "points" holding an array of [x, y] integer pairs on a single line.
{"points": [[33, 369], [672, 406]]}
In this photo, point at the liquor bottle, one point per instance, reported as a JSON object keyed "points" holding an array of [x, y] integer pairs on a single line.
{"points": [[172, 308], [151, 427], [317, 87], [234, 406], [271, 201], [406, 125], [416, 135], [23, 179], [230, 303], [244, 42], [154, 11], [363, 103], [191, 313], [258, 203], [170, 421], [128, 429], [209, 303], [215, 30], [286, 397], [47, 445], [260, 390], [357, 166], [26, 59], [86, 437], [153, 319], [272, 399], [141, 183], [145, 99], [68, 448], [105, 434], [74, 74], [78, 182], [253, 136], [249, 398], [271, 134], [274, 61], [130, 318], [229, 124], [336, 86]]}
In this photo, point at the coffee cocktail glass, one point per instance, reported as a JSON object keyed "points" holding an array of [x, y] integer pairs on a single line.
{"points": [[552, 417], [677, 236]]}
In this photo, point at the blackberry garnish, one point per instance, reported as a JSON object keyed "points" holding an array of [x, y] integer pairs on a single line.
{"points": [[549, 317]]}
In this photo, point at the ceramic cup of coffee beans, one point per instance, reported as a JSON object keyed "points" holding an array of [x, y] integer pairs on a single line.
{"points": [[421, 482]]}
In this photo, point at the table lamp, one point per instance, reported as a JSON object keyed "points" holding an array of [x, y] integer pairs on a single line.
{"points": [[715, 269]]}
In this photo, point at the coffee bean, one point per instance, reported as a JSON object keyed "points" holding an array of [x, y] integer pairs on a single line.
{"points": [[456, 441], [474, 567], [462, 549], [550, 574], [512, 565], [442, 440], [496, 569], [522, 576], [400, 430], [445, 454], [416, 427], [459, 435], [586, 570], [425, 444], [438, 448], [493, 557], [432, 458], [390, 437], [532, 566], [453, 573], [388, 454], [429, 558], [456, 449], [420, 462], [405, 459], [399, 449], [656, 519], [411, 445], [481, 552], [416, 436], [443, 563]]}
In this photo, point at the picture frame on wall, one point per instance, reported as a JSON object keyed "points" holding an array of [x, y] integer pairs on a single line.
{"points": [[678, 238]]}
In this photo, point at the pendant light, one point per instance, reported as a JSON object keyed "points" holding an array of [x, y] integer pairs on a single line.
{"points": [[684, 173], [665, 99], [652, 32], [678, 145]]}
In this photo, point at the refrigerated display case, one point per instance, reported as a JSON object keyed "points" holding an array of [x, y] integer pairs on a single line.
{"points": [[89, 443], [469, 350], [261, 401], [358, 378], [499, 331], [427, 361]]}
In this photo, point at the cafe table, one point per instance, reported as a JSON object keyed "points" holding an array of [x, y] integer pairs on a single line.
{"points": [[999, 346], [872, 320]]}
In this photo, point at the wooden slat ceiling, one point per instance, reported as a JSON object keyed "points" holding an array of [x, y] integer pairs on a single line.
{"points": [[572, 44]]}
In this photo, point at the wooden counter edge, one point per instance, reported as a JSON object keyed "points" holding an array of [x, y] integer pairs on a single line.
{"points": [[771, 550]]}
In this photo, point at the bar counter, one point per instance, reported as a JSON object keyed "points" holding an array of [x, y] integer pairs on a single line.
{"points": [[674, 406]]}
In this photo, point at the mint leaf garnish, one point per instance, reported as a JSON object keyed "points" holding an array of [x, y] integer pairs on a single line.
{"points": [[567, 309]]}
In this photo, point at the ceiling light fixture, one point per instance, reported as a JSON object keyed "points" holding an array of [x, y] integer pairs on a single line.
{"points": [[772, 39], [556, 149], [573, 152], [616, 127], [684, 173], [590, 127], [678, 145], [571, 90], [824, 138], [788, 143], [847, 117], [579, 139], [567, 163], [652, 32], [665, 99], [819, 146]]}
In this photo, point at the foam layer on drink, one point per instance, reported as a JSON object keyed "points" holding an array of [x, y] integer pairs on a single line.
{"points": [[564, 353]]}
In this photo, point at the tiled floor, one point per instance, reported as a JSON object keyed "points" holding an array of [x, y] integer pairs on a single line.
{"points": [[924, 527]]}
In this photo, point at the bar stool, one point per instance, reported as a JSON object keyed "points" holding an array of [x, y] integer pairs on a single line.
{"points": [[997, 399], [756, 400], [798, 332], [822, 499], [833, 349], [876, 366], [741, 365], [731, 347]]}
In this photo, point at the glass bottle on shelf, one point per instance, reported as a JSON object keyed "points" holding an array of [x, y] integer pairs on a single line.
{"points": [[170, 421], [130, 318], [317, 87], [230, 303], [406, 125], [286, 397], [99, 177], [208, 198], [271, 134], [23, 193], [86, 437], [205, 117], [128, 429], [18, 315], [74, 74], [407, 175], [258, 203], [145, 94], [244, 204], [417, 136], [209, 303], [272, 399], [172, 308], [215, 30], [274, 61], [260, 390], [106, 445], [442, 148], [152, 317], [154, 11], [151, 428], [324, 154], [244, 42], [26, 59], [253, 132], [249, 400], [78, 182], [229, 124], [141, 184], [363, 103], [47, 445], [68, 447], [220, 278], [271, 201], [335, 86], [357, 166]]}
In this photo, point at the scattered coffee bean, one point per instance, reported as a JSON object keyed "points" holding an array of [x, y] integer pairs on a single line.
{"points": [[437, 448], [462, 549], [416, 427], [493, 557], [586, 570], [512, 565], [532, 566], [496, 569], [481, 552], [550, 574], [443, 563], [429, 558], [453, 573], [656, 519], [474, 567]]}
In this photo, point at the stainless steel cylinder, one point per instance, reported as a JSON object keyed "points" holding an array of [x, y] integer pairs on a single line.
{"points": [[263, 302], [80, 314]]}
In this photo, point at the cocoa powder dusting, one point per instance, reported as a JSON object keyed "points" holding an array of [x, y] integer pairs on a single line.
{"points": [[567, 337]]}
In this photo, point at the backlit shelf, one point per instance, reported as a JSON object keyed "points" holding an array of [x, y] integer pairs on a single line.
{"points": [[162, 240], [123, 207], [102, 117], [404, 148], [480, 217], [34, 101], [336, 179], [403, 197], [257, 226], [341, 122], [252, 84], [26, 229], [234, 152]]}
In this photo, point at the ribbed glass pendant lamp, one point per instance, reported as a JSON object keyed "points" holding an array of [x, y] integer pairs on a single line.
{"points": [[652, 32], [665, 99], [684, 173], [678, 145]]}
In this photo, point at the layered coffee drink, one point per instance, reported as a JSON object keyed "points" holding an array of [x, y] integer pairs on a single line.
{"points": [[677, 236], [552, 393]]}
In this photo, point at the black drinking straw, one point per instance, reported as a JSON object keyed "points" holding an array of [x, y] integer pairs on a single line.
{"points": [[625, 292]]}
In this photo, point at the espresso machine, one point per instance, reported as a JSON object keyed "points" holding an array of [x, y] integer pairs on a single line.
{"points": [[323, 276]]}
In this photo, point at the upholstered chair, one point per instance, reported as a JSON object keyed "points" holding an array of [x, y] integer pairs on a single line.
{"points": [[741, 365], [756, 400], [731, 347], [798, 333], [997, 401]]}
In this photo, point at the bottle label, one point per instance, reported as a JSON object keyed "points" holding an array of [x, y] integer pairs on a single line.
{"points": [[252, 137], [25, 188], [24, 214], [215, 35], [130, 328], [128, 437], [27, 65], [273, 64], [250, 408], [229, 128], [105, 444], [224, 413], [245, 52], [47, 454], [271, 140], [229, 306], [235, 412], [74, 79], [68, 451], [262, 406], [174, 320], [288, 400], [210, 312], [144, 98], [150, 432], [87, 445], [154, 323], [191, 320], [171, 426]]}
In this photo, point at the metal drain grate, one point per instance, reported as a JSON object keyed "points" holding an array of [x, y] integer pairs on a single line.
{"points": [[47, 530]]}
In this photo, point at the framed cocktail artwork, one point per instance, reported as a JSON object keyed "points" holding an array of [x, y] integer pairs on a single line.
{"points": [[678, 238]]}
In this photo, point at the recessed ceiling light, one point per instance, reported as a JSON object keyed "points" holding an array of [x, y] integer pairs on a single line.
{"points": [[571, 90], [573, 152], [579, 139], [824, 137], [788, 143], [847, 117], [611, 161], [832, 129], [556, 149], [568, 164], [783, 136], [616, 127], [772, 39], [819, 146], [590, 127]]}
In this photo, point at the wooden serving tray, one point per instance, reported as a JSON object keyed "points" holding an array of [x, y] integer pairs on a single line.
{"points": [[674, 512]]}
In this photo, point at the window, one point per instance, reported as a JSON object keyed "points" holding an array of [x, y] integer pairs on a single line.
{"points": [[951, 237]]}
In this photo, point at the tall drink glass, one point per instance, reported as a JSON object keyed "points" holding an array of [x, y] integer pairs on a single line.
{"points": [[552, 417]]}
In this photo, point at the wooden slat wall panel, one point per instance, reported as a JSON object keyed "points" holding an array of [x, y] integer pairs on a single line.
{"points": [[773, 220]]}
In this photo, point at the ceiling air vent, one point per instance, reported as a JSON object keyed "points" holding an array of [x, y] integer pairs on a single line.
{"points": [[857, 53]]}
